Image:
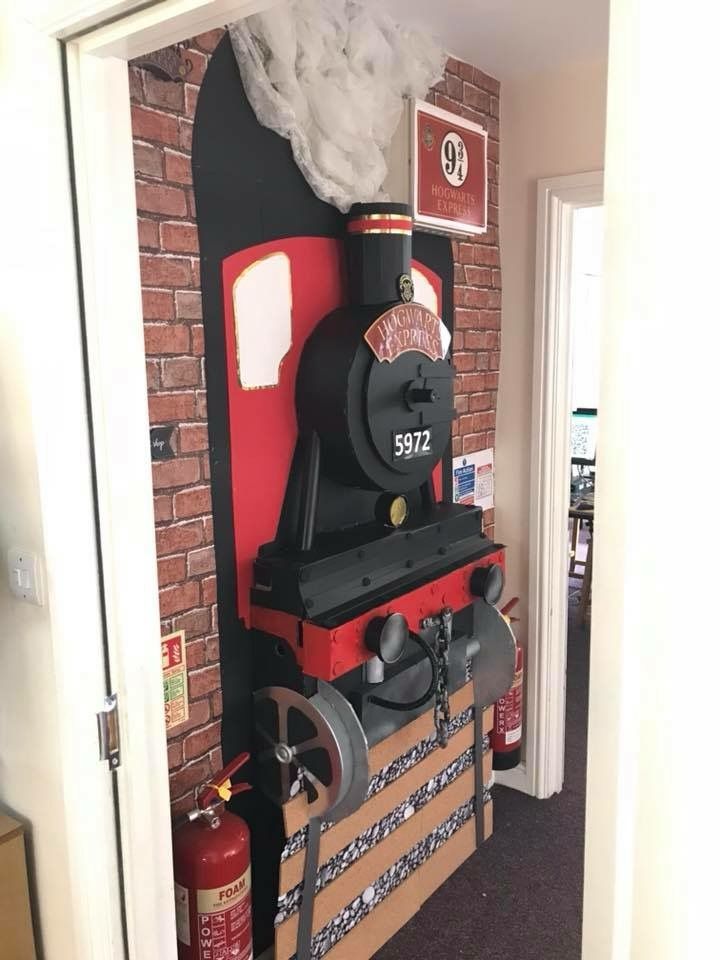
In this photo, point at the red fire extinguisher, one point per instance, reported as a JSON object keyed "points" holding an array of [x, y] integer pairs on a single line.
{"points": [[506, 735], [211, 855]]}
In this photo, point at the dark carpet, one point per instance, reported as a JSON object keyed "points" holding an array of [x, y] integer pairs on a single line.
{"points": [[520, 894]]}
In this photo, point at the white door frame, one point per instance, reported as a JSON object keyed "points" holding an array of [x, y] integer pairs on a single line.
{"points": [[558, 199], [102, 168]]}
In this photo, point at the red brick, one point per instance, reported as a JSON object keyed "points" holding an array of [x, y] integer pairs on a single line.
{"points": [[171, 406], [456, 446], [464, 424], [466, 319], [481, 401], [208, 528], [463, 361], [493, 151], [454, 87], [180, 808], [154, 125], [191, 98], [206, 471], [216, 703], [192, 210], [483, 421], [175, 755], [136, 91], [493, 214], [195, 265], [201, 405], [201, 741], [473, 442], [148, 234], [497, 279], [163, 508], [162, 93], [200, 561], [189, 777], [195, 623], [212, 648], [148, 159], [175, 473], [179, 237], [461, 403], [202, 682], [160, 198], [494, 107], [458, 340], [192, 503], [209, 588], [486, 256], [452, 66], [193, 437], [476, 98], [181, 372], [165, 271], [476, 340], [171, 569], [209, 40], [465, 70], [196, 66], [188, 304], [152, 374], [465, 253], [195, 654], [478, 276], [163, 338], [495, 360], [177, 167], [216, 760], [186, 134], [485, 81], [445, 103], [477, 297], [158, 304], [472, 383], [492, 380], [180, 597]]}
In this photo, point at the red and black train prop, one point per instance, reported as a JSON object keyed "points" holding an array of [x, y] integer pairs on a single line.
{"points": [[353, 597]]}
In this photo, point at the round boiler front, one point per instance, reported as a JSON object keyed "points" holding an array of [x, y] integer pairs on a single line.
{"points": [[382, 425]]}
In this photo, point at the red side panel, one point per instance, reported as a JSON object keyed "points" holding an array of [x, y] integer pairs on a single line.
{"points": [[263, 425]]}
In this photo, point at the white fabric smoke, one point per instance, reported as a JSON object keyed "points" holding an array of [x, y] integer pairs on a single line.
{"points": [[330, 75]]}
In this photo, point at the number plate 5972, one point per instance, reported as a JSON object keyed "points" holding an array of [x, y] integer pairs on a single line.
{"points": [[409, 444]]}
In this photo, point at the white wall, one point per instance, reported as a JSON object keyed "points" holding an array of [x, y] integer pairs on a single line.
{"points": [[586, 305], [552, 124]]}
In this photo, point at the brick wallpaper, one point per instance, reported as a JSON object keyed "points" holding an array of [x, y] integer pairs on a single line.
{"points": [[478, 287], [162, 120]]}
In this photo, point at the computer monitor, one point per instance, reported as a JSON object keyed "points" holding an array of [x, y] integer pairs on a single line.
{"points": [[583, 436]]}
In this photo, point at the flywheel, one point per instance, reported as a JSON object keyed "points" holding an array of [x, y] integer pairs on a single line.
{"points": [[319, 740]]}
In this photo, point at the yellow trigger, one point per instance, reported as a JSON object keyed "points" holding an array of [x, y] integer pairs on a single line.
{"points": [[224, 791]]}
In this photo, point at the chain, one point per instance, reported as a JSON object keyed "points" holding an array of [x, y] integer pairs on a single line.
{"points": [[443, 622]]}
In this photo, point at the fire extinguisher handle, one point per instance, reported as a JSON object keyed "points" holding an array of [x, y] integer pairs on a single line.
{"points": [[230, 769], [220, 783]]}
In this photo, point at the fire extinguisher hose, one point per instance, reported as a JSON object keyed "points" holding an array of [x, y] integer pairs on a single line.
{"points": [[429, 693]]}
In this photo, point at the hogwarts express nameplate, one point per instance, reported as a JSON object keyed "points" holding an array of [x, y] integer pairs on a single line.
{"points": [[408, 326]]}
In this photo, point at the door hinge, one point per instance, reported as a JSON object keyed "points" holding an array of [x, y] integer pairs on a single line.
{"points": [[109, 732]]}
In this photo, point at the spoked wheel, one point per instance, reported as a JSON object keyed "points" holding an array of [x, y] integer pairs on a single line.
{"points": [[320, 740]]}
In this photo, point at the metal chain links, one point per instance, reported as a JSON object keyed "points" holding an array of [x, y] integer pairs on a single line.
{"points": [[443, 623]]}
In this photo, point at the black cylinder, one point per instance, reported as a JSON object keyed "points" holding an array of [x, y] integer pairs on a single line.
{"points": [[378, 247]]}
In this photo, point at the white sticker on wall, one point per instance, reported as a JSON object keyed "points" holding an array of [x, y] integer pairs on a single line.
{"points": [[262, 304]]}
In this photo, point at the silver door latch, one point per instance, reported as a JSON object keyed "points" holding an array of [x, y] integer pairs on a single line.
{"points": [[109, 732]]}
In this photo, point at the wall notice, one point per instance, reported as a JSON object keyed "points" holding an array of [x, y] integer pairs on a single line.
{"points": [[474, 479], [175, 682]]}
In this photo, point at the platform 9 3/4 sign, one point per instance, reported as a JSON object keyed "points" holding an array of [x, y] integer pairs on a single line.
{"points": [[449, 171]]}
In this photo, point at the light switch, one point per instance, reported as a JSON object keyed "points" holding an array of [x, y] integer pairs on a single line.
{"points": [[24, 570]]}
